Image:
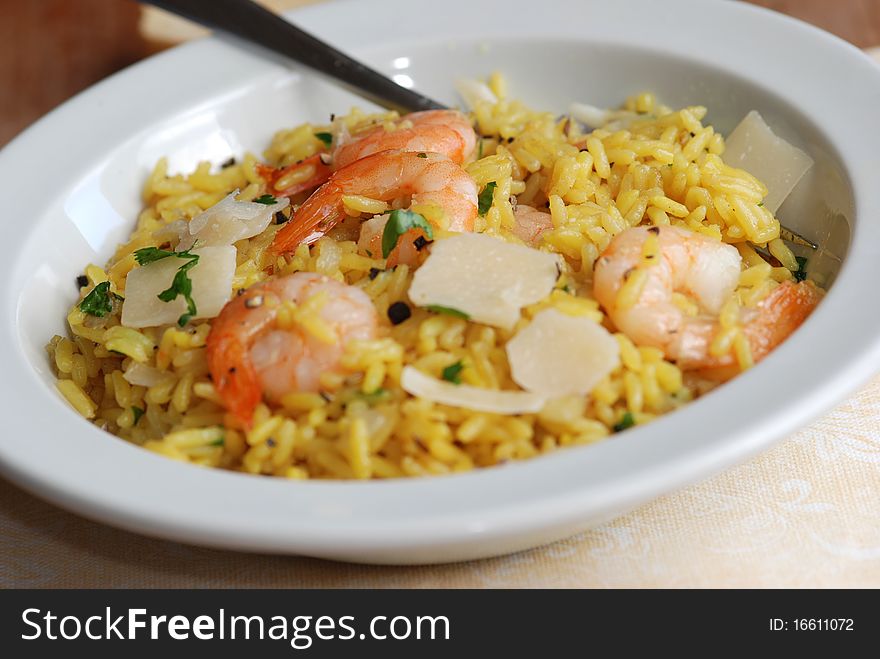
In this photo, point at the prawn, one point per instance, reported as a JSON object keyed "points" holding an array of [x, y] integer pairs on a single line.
{"points": [[707, 271], [299, 177], [250, 356], [429, 178], [439, 131], [530, 224]]}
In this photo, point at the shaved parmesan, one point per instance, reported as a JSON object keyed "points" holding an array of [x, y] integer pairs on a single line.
{"points": [[558, 355], [418, 384], [474, 91], [229, 221], [752, 146], [486, 278], [211, 288]]}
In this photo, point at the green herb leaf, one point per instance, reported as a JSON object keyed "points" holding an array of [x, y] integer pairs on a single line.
{"points": [[452, 373], [760, 204], [147, 255], [181, 284], [801, 273], [326, 138], [219, 441], [99, 302], [626, 422], [399, 222], [484, 201], [449, 311], [265, 199], [138, 413]]}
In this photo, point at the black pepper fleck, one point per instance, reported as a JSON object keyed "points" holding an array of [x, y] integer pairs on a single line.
{"points": [[374, 272], [271, 442], [280, 218], [399, 312], [420, 242], [82, 281], [228, 163], [654, 230], [240, 291]]}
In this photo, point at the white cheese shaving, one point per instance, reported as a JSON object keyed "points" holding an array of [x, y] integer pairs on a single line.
{"points": [[752, 146], [211, 288], [596, 117], [487, 278], [229, 221], [418, 384], [474, 91], [559, 355], [145, 376]]}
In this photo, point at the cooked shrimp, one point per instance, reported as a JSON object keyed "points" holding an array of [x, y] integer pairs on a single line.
{"points": [[530, 224], [705, 270], [439, 131], [249, 355], [408, 245], [430, 178], [299, 177]]}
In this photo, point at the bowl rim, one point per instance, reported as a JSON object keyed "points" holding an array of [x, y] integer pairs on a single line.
{"points": [[465, 515]]}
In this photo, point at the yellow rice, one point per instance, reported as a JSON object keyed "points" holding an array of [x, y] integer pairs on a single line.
{"points": [[665, 169]]}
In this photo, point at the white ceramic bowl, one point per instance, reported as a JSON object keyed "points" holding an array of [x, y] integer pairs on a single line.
{"points": [[71, 192]]}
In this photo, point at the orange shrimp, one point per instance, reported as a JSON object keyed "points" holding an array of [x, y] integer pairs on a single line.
{"points": [[707, 271], [439, 131], [429, 178], [307, 174], [249, 356]]}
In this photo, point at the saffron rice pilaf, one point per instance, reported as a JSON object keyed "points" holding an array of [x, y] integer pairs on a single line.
{"points": [[647, 165]]}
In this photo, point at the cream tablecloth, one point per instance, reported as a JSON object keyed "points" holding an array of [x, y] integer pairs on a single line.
{"points": [[804, 513]]}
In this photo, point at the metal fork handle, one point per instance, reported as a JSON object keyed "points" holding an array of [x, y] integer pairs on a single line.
{"points": [[254, 23]]}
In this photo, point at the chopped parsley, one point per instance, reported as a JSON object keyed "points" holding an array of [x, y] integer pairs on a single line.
{"points": [[801, 273], [326, 138], [760, 204], [399, 222], [449, 311], [99, 302], [138, 413], [452, 373], [626, 422], [221, 440], [484, 201], [266, 199], [181, 285]]}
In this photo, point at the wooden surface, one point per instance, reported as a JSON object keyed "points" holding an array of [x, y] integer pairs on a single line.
{"points": [[51, 49]]}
